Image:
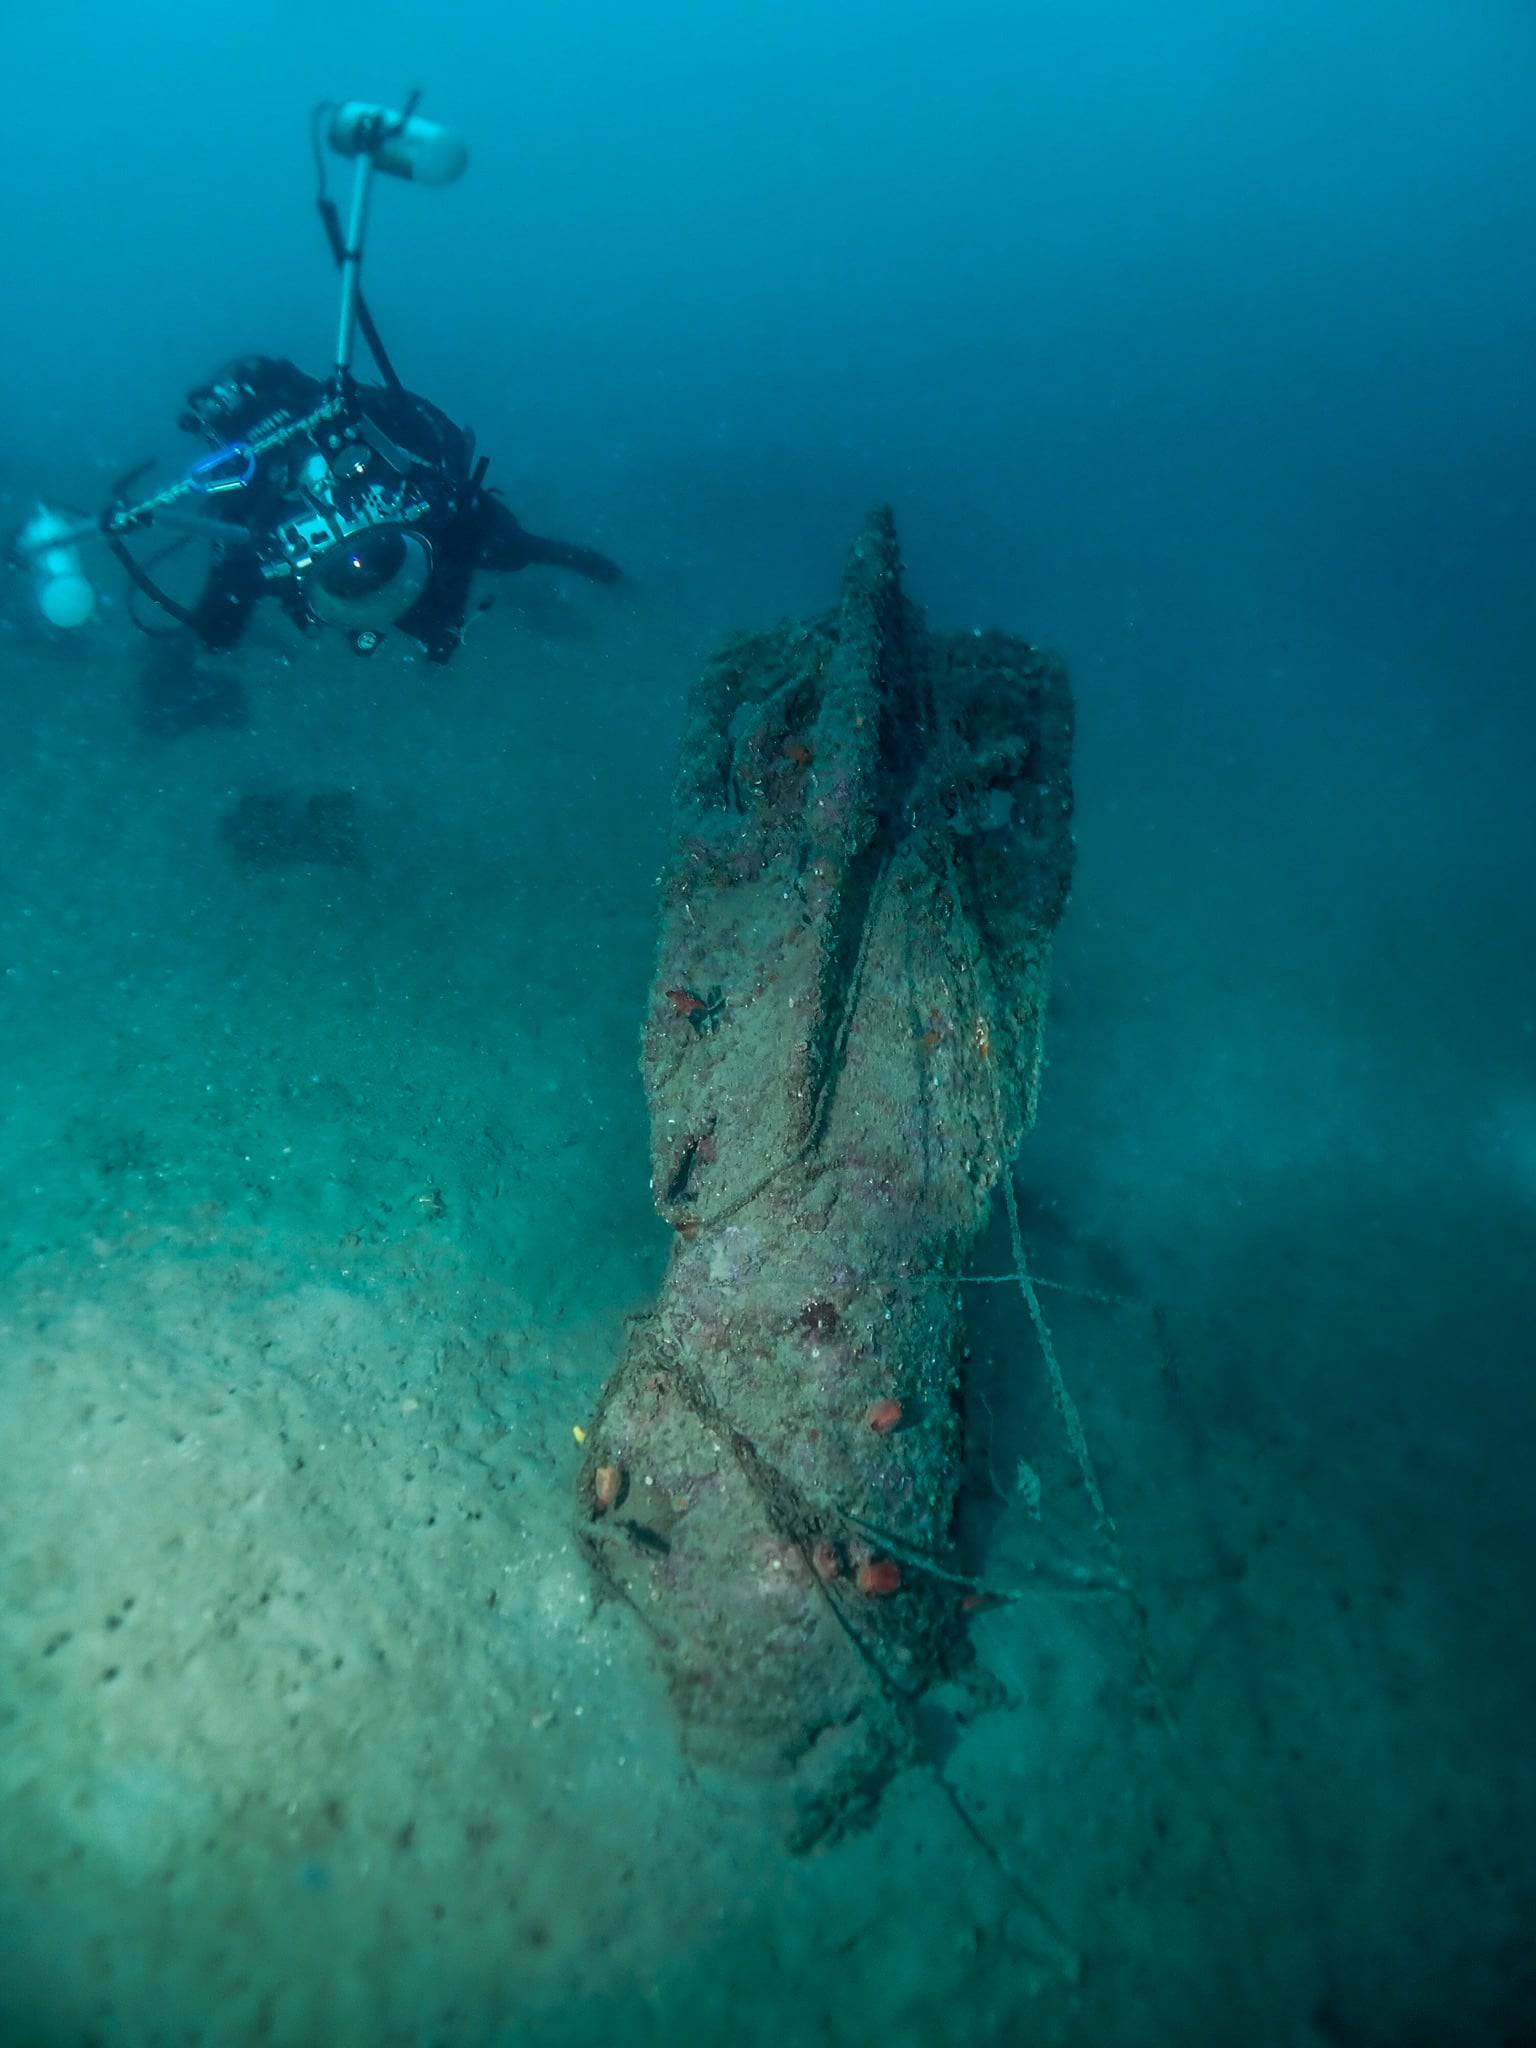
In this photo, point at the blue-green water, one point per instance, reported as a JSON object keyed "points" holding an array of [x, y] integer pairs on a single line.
{"points": [[1195, 345]]}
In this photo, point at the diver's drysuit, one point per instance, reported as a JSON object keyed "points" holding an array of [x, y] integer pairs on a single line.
{"points": [[364, 510]]}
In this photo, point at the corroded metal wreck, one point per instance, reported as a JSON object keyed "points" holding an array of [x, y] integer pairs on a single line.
{"points": [[871, 851]]}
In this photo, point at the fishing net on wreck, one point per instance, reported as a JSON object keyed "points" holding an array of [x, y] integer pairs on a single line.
{"points": [[871, 851]]}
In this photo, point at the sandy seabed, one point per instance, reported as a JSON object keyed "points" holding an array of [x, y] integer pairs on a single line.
{"points": [[324, 1202]]}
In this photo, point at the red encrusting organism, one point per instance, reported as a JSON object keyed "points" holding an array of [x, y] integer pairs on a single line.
{"points": [[705, 1013], [881, 1576], [883, 1416]]}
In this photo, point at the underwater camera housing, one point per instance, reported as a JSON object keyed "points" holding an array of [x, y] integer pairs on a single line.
{"points": [[370, 580], [380, 578], [355, 543]]}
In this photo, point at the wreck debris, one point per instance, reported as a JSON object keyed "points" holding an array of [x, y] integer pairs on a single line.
{"points": [[872, 849]]}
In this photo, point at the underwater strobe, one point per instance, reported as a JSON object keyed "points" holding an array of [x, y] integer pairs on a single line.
{"points": [[405, 146], [64, 593], [401, 144]]}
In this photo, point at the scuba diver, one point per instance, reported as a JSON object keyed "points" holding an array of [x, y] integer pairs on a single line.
{"points": [[359, 507]]}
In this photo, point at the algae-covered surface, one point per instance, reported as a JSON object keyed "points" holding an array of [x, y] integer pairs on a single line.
{"points": [[871, 847]]}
